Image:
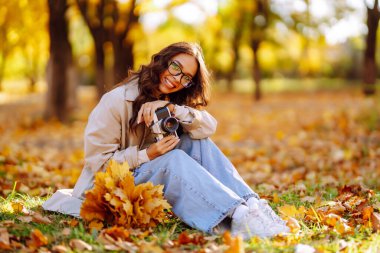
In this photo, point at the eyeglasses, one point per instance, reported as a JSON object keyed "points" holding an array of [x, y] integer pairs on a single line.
{"points": [[175, 70]]}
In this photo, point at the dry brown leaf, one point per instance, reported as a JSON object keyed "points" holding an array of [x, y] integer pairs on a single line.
{"points": [[66, 231], [79, 245], [25, 219], [59, 249], [7, 223], [375, 220], [4, 239], [37, 217], [308, 199]]}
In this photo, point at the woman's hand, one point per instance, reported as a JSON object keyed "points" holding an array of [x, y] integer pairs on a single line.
{"points": [[147, 110], [162, 146]]}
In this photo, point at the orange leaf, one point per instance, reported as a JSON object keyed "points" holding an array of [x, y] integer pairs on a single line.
{"points": [[95, 224], [37, 239], [367, 212], [235, 244]]}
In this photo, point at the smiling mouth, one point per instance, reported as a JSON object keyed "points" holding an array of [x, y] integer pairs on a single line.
{"points": [[169, 84]]}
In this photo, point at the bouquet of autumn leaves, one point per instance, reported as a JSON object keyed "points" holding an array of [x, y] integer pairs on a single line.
{"points": [[115, 199]]}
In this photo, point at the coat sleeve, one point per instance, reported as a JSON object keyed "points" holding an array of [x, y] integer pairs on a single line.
{"points": [[198, 124], [103, 135]]}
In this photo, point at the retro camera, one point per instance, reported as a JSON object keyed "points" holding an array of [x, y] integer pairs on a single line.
{"points": [[164, 124]]}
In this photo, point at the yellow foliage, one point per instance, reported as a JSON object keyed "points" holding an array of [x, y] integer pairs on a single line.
{"points": [[292, 211], [115, 198]]}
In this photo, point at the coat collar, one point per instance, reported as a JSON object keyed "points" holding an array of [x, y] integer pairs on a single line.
{"points": [[131, 90]]}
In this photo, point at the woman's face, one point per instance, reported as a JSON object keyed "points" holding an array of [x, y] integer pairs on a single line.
{"points": [[171, 83]]}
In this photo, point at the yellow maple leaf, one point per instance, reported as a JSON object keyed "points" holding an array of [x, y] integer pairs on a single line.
{"points": [[115, 198], [292, 211]]}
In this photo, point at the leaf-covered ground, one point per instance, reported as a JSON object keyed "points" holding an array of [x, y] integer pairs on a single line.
{"points": [[314, 156]]}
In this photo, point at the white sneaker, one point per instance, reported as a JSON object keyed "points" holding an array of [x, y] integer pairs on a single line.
{"points": [[248, 222], [278, 225]]}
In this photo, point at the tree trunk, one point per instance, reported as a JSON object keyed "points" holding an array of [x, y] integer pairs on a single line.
{"points": [[100, 72], [59, 62], [256, 69], [369, 70], [235, 50], [122, 47], [99, 34], [123, 58]]}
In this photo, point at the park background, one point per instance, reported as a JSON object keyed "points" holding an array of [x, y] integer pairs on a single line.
{"points": [[294, 93]]}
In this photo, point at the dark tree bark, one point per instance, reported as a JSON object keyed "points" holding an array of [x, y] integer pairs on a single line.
{"points": [[122, 47], [369, 70], [99, 34], [238, 32], [256, 69], [257, 36], [59, 62], [123, 58]]}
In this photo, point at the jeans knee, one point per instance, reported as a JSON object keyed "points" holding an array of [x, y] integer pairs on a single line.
{"points": [[176, 154]]}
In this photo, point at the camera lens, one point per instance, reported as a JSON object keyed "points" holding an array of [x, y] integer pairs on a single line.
{"points": [[170, 124]]}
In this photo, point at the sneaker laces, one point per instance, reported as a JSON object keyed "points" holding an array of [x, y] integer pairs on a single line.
{"points": [[270, 213]]}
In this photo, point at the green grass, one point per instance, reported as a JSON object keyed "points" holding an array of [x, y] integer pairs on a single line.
{"points": [[315, 235]]}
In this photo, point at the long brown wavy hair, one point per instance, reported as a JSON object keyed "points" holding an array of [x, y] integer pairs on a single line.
{"points": [[196, 96]]}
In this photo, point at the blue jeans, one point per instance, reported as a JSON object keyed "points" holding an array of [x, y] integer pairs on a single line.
{"points": [[200, 183]]}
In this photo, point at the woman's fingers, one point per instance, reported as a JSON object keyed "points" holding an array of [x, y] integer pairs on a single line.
{"points": [[169, 142], [147, 111]]}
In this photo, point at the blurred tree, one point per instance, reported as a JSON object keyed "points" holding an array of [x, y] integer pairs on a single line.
{"points": [[34, 20], [369, 67], [238, 13], [259, 20], [110, 21], [9, 38], [60, 63]]}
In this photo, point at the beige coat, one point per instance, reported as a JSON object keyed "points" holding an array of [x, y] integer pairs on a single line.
{"points": [[107, 136]]}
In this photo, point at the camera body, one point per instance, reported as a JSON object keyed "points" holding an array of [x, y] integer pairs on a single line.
{"points": [[164, 124]]}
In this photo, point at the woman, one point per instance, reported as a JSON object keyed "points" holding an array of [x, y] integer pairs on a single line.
{"points": [[204, 189]]}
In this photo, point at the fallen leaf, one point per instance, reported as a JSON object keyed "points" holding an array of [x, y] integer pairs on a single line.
{"points": [[4, 239], [235, 245], [37, 217], [293, 225], [37, 239], [116, 199], [25, 219], [95, 224], [59, 249], [375, 219], [17, 207], [79, 245], [292, 211]]}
